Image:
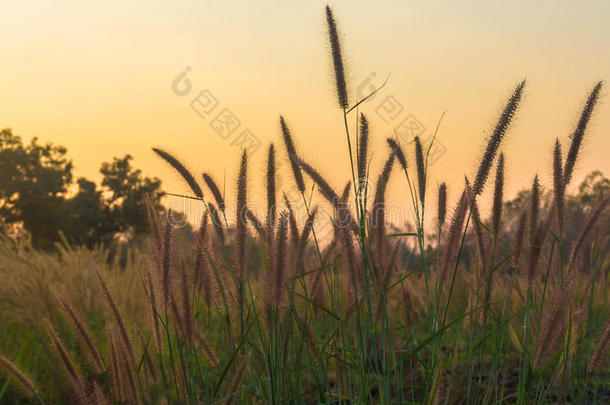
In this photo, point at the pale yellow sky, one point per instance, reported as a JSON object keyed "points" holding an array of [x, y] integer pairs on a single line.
{"points": [[97, 79]]}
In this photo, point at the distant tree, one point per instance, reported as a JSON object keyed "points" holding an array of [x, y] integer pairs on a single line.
{"points": [[33, 181], [514, 207], [127, 192], [589, 191], [592, 187], [87, 215]]}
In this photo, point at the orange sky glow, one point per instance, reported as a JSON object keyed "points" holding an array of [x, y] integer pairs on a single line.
{"points": [[98, 80]]}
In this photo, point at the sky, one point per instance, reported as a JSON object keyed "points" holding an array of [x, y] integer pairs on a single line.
{"points": [[98, 79]]}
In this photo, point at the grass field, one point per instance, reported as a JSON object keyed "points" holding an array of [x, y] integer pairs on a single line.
{"points": [[510, 308]]}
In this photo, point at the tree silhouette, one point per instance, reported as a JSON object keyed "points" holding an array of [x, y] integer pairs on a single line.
{"points": [[128, 190], [33, 181], [36, 195]]}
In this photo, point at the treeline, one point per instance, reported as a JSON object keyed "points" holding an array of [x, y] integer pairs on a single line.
{"points": [[39, 195]]}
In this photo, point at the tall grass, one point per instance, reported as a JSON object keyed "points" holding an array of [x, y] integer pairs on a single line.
{"points": [[477, 310]]}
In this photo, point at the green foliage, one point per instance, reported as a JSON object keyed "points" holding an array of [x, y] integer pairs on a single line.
{"points": [[33, 181], [127, 189], [36, 184], [594, 185]]}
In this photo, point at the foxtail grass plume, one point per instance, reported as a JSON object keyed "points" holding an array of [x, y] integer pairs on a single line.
{"points": [[241, 217], [118, 318], [579, 132], [421, 170], [307, 228], [519, 237], [207, 349], [233, 388], [558, 185], [303, 238], [84, 335], [217, 223], [154, 225], [477, 224], [292, 155], [534, 208], [166, 260], [390, 266], [553, 327], [152, 312], [338, 65], [292, 222], [325, 189], [442, 204], [187, 308], [363, 146], [400, 156], [115, 368], [346, 190], [496, 138], [533, 231], [271, 203], [71, 370], [256, 223], [25, 382], [309, 335], [498, 194], [186, 175], [599, 353], [98, 397], [220, 201], [452, 243], [343, 215], [378, 211], [355, 272], [203, 279], [278, 269], [178, 317]]}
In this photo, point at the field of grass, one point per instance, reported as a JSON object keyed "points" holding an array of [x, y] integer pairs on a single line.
{"points": [[514, 308]]}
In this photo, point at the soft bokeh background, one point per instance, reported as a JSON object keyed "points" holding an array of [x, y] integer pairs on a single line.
{"points": [[97, 79]]}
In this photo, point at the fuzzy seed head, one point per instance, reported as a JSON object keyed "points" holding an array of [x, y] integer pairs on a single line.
{"points": [[335, 48], [215, 191], [496, 138]]}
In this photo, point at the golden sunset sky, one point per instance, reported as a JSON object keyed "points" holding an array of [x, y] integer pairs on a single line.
{"points": [[97, 78]]}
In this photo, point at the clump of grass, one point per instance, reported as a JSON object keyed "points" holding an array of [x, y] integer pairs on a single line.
{"points": [[372, 313]]}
